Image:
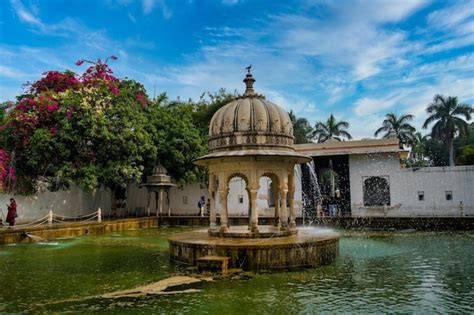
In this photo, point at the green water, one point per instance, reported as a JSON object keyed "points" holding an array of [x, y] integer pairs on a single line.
{"points": [[390, 272]]}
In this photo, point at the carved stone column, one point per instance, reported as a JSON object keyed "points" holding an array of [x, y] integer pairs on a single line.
{"points": [[168, 201], [224, 214], [284, 210], [212, 210], [253, 218], [223, 191], [148, 197], [160, 199], [276, 198]]}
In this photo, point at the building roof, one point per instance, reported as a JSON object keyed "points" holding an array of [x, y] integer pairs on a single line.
{"points": [[364, 146], [250, 122]]}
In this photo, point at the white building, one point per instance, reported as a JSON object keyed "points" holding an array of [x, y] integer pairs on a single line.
{"points": [[375, 183]]}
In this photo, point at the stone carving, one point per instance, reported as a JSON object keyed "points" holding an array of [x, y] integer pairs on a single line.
{"points": [[260, 125], [227, 125]]}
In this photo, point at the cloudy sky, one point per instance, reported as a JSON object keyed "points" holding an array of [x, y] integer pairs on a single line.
{"points": [[357, 59]]}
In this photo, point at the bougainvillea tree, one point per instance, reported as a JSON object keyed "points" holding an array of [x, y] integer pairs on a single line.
{"points": [[94, 129], [86, 129]]}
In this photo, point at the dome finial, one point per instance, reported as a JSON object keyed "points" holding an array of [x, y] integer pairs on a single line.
{"points": [[249, 80]]}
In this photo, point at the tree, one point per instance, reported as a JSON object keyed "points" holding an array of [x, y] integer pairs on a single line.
{"points": [[88, 130], [466, 148], [332, 129], [177, 139], [398, 125], [418, 157], [207, 106], [466, 157], [445, 113], [302, 130]]}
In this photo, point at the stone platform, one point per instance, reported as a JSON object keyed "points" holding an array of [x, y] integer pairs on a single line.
{"points": [[264, 231], [304, 249]]}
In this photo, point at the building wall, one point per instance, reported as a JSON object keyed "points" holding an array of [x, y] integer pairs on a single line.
{"points": [[73, 202], [405, 183]]}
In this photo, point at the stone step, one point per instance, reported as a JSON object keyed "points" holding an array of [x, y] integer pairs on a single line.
{"points": [[213, 264]]}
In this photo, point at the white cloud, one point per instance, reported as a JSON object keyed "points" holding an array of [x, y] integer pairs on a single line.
{"points": [[453, 15], [367, 106], [149, 5], [25, 15], [11, 73]]}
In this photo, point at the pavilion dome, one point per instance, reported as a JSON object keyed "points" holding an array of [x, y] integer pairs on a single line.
{"points": [[250, 122]]}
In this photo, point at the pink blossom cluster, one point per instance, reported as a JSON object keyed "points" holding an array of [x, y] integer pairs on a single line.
{"points": [[55, 81], [7, 172], [141, 98]]}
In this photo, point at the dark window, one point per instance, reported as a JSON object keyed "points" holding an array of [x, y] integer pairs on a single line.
{"points": [[421, 195], [376, 191], [241, 198], [449, 195]]}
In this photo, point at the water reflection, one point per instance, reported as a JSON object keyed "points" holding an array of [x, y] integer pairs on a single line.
{"points": [[376, 272]]}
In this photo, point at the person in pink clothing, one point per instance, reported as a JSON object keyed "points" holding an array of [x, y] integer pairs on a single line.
{"points": [[11, 215]]}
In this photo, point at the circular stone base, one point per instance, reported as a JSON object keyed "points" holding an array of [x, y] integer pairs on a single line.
{"points": [[242, 231], [308, 248]]}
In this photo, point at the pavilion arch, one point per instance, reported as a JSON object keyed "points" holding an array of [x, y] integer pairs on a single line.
{"points": [[241, 206], [240, 175], [275, 192], [376, 191]]}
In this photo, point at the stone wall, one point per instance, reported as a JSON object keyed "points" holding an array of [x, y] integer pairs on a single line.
{"points": [[407, 183], [73, 202]]}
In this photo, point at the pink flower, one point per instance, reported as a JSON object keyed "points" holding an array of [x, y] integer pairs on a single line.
{"points": [[140, 97], [53, 130], [79, 62], [52, 107], [114, 90]]}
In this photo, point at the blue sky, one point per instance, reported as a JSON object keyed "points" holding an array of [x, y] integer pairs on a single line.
{"points": [[357, 59]]}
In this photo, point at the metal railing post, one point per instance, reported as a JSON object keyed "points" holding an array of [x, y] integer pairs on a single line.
{"points": [[50, 217]]}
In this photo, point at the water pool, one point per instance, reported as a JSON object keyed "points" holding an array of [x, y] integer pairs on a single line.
{"points": [[389, 272]]}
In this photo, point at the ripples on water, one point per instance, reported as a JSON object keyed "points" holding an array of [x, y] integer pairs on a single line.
{"points": [[376, 272]]}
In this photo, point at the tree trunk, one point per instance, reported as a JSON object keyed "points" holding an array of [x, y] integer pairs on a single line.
{"points": [[451, 152]]}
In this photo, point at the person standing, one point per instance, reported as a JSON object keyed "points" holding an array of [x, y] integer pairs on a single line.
{"points": [[201, 204], [11, 214]]}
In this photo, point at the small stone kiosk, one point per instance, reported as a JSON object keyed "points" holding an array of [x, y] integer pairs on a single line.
{"points": [[249, 138], [159, 182]]}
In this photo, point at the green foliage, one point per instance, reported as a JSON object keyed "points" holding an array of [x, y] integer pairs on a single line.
{"points": [[466, 148], [436, 153], [176, 138], [400, 126], [466, 157], [207, 106], [302, 129], [331, 129], [447, 115]]}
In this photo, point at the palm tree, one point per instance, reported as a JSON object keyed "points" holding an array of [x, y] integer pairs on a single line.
{"points": [[398, 125], [332, 129], [418, 144], [301, 129], [444, 112]]}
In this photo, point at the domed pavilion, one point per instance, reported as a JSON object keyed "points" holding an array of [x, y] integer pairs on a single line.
{"points": [[250, 138]]}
